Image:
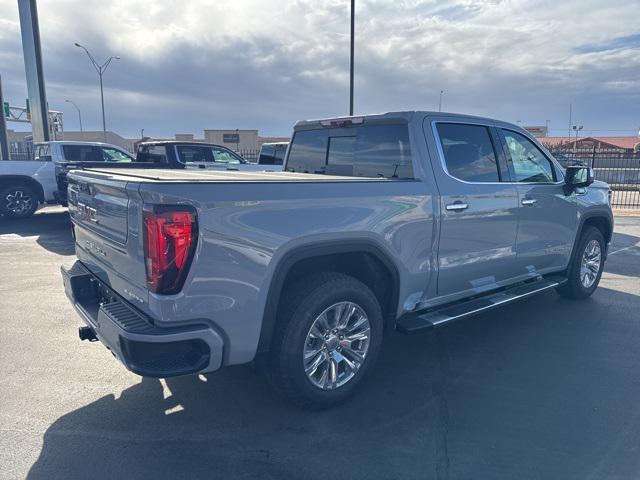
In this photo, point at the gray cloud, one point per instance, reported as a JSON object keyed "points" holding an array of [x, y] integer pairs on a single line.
{"points": [[192, 65]]}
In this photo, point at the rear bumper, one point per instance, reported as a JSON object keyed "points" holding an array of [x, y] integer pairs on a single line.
{"points": [[133, 338]]}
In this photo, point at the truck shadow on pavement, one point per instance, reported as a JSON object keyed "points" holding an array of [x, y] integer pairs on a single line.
{"points": [[540, 389], [52, 229]]}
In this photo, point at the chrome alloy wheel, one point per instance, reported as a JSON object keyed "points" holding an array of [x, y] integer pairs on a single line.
{"points": [[590, 265], [336, 345], [18, 202]]}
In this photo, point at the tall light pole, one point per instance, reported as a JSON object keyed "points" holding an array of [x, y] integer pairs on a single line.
{"points": [[440, 102], [353, 25], [576, 128], [79, 116], [546, 127], [100, 69]]}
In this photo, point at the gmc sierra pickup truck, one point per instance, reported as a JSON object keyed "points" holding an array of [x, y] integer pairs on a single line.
{"points": [[403, 221]]}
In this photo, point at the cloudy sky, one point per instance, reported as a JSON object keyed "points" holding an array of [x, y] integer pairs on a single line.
{"points": [[191, 65]]}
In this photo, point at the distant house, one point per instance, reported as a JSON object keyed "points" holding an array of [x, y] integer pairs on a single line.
{"points": [[624, 145]]}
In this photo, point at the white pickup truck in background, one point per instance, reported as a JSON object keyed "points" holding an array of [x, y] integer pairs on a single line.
{"points": [[27, 184]]}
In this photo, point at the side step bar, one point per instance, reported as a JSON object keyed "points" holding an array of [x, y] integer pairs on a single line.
{"points": [[417, 322]]}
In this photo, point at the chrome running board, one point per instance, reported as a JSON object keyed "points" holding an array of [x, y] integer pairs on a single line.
{"points": [[419, 321]]}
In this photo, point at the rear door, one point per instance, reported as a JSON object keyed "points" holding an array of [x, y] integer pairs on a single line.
{"points": [[548, 217], [479, 209]]}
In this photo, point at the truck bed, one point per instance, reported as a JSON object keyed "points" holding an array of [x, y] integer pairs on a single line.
{"points": [[212, 176]]}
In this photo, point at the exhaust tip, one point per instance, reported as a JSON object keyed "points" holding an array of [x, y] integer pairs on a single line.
{"points": [[87, 333]]}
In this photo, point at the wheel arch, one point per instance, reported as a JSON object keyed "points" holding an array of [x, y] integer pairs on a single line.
{"points": [[8, 180], [599, 220], [364, 259]]}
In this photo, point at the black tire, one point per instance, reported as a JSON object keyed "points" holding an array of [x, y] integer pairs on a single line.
{"points": [[301, 306], [18, 201], [574, 288]]}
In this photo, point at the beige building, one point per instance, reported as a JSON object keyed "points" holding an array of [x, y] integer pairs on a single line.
{"points": [[240, 139]]}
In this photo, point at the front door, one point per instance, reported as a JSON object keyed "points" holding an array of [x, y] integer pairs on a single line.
{"points": [[479, 210], [548, 217]]}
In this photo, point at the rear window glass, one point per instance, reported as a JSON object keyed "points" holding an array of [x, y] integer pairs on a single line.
{"points": [[362, 151], [272, 154], [152, 154]]}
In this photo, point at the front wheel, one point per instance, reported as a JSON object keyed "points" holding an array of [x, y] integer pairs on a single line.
{"points": [[328, 338], [585, 269], [18, 201]]}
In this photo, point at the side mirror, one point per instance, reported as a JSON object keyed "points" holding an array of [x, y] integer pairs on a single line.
{"points": [[577, 177], [44, 158]]}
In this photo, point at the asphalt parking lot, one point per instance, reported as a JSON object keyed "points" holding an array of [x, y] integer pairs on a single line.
{"points": [[544, 389]]}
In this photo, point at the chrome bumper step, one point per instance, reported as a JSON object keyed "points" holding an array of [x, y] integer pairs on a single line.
{"points": [[420, 321]]}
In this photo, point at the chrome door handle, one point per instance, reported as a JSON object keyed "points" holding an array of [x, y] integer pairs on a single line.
{"points": [[456, 207], [529, 201]]}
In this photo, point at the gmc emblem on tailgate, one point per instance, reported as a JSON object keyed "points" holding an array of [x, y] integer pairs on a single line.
{"points": [[87, 213]]}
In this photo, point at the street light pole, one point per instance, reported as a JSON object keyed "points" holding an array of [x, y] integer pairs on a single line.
{"points": [[100, 69], [79, 116], [440, 102], [353, 14], [576, 128]]}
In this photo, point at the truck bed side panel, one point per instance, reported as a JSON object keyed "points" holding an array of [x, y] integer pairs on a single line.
{"points": [[245, 232]]}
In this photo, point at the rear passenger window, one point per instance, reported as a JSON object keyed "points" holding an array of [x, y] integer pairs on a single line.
{"points": [[468, 152], [82, 153], [364, 151]]}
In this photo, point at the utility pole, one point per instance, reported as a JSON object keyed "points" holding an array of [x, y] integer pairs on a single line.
{"points": [[353, 25], [79, 117], [100, 69], [440, 102], [4, 141], [32, 51]]}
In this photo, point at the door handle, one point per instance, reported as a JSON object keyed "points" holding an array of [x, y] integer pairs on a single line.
{"points": [[457, 207], [529, 201]]}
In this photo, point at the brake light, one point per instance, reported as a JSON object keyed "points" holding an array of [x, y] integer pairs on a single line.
{"points": [[170, 237]]}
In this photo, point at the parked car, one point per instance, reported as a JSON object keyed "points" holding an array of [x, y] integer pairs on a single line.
{"points": [[26, 184], [69, 155], [272, 153], [404, 221], [200, 155]]}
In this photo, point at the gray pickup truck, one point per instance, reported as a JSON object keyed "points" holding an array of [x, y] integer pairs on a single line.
{"points": [[401, 221]]}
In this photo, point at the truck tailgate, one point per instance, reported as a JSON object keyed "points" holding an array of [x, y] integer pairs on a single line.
{"points": [[107, 214]]}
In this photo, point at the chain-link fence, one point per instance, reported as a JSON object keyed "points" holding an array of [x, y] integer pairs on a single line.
{"points": [[619, 168]]}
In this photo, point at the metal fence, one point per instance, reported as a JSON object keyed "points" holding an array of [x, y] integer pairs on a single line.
{"points": [[20, 151], [250, 155], [619, 168]]}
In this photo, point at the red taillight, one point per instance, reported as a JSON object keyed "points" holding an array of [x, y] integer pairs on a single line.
{"points": [[170, 236]]}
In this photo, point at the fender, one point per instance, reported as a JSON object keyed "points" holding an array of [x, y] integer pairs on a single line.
{"points": [[318, 249], [24, 179], [605, 215]]}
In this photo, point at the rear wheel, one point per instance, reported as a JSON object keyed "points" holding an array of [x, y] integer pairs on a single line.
{"points": [[328, 337], [18, 201], [586, 267]]}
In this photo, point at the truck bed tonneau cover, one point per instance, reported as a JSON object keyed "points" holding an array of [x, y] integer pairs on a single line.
{"points": [[212, 176]]}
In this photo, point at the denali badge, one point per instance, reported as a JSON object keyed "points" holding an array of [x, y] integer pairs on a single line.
{"points": [[133, 295], [95, 248]]}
